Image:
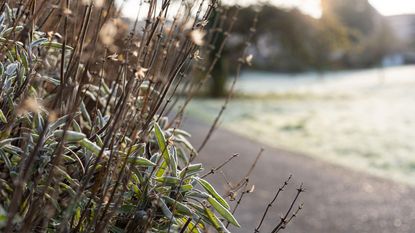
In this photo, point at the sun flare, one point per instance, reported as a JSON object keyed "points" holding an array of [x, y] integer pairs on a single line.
{"points": [[394, 7]]}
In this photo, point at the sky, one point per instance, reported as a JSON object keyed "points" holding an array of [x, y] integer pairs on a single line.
{"points": [[311, 7]]}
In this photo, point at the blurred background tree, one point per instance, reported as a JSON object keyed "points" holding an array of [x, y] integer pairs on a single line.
{"points": [[220, 70]]}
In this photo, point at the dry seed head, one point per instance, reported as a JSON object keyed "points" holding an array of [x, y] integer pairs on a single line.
{"points": [[121, 57], [197, 55], [167, 30], [252, 189], [188, 25], [108, 32], [161, 18], [97, 3], [121, 24], [232, 195], [248, 59], [113, 57], [50, 34], [141, 72], [197, 36], [29, 105], [202, 23], [66, 12], [53, 116]]}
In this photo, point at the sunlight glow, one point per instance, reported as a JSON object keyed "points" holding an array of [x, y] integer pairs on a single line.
{"points": [[313, 7], [310, 7], [394, 7]]}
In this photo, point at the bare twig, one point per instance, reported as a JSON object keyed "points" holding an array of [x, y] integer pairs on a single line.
{"points": [[285, 220], [280, 189], [213, 170]]}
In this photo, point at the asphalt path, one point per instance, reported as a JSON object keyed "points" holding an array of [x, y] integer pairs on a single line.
{"points": [[337, 199]]}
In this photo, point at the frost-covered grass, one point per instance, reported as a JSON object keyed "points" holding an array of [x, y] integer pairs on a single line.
{"points": [[364, 120]]}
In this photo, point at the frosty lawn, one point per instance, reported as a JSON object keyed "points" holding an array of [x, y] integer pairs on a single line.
{"points": [[364, 120]]}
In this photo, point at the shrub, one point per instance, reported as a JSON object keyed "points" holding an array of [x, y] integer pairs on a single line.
{"points": [[85, 145]]}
